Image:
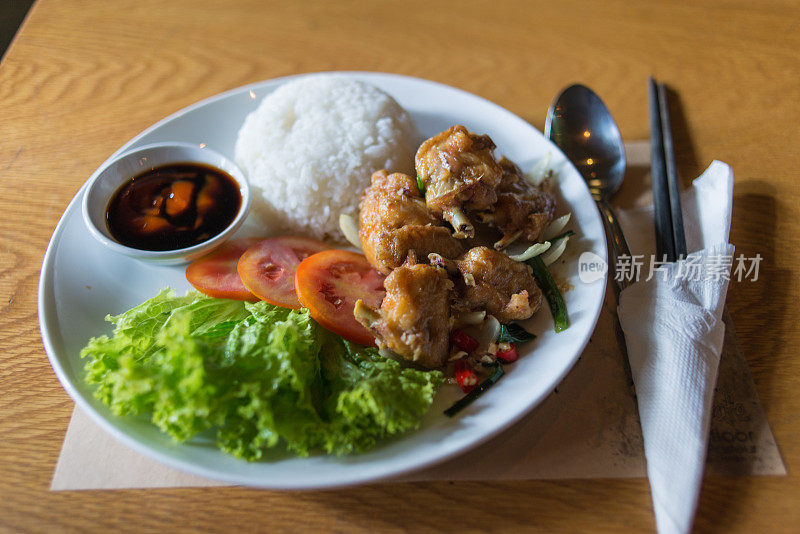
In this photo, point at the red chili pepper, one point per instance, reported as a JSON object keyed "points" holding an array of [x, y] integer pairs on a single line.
{"points": [[465, 376], [464, 341], [508, 356]]}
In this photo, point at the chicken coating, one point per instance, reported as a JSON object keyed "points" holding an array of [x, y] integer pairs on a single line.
{"points": [[414, 319], [394, 223], [522, 209], [460, 175], [490, 280]]}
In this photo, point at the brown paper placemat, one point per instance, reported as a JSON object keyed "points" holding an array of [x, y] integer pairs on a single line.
{"points": [[587, 428]]}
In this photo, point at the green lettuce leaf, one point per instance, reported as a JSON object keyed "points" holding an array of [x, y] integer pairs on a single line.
{"points": [[371, 397], [259, 374]]}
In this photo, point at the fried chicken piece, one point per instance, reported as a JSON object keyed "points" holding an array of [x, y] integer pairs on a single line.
{"points": [[394, 223], [522, 209], [460, 175], [490, 280], [414, 318]]}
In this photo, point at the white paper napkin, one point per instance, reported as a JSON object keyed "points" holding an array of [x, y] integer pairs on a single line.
{"points": [[674, 332]]}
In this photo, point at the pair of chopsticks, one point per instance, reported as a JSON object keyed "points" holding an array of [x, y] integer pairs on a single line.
{"points": [[670, 236]]}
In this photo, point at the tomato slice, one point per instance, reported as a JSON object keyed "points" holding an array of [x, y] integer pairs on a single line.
{"points": [[267, 268], [329, 284], [215, 274]]}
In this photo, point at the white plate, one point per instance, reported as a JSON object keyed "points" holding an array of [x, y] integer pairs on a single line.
{"points": [[82, 281]]}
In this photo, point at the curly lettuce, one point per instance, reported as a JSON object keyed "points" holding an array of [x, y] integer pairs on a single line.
{"points": [[258, 374]]}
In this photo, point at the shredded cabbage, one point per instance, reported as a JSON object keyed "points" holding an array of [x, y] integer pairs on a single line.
{"points": [[555, 252], [540, 171], [349, 227], [555, 227], [531, 251]]}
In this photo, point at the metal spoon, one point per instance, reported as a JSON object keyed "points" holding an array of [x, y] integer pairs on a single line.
{"points": [[581, 126]]}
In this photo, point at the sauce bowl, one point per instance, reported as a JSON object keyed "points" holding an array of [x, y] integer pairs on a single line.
{"points": [[107, 180]]}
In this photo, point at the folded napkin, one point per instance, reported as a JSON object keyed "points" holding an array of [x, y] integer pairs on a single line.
{"points": [[674, 332]]}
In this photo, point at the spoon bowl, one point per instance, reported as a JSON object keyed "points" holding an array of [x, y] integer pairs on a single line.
{"points": [[583, 128]]}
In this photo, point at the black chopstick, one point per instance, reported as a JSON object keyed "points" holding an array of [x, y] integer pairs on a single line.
{"points": [[665, 241], [676, 215]]}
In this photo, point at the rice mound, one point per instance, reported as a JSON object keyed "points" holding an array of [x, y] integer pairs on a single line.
{"points": [[311, 146]]}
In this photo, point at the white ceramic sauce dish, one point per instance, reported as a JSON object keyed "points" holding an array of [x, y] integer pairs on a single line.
{"points": [[118, 170]]}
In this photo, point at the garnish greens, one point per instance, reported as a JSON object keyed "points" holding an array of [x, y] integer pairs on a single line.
{"points": [[551, 292], [467, 399], [514, 333], [256, 374], [568, 233]]}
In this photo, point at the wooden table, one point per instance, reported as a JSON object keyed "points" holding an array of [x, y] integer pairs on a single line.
{"points": [[83, 77]]}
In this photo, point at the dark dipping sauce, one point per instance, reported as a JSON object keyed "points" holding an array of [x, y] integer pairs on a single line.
{"points": [[173, 206]]}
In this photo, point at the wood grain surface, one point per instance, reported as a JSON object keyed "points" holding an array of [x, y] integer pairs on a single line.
{"points": [[82, 77]]}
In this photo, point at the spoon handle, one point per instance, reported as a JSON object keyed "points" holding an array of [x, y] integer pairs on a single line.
{"points": [[619, 245], [619, 248]]}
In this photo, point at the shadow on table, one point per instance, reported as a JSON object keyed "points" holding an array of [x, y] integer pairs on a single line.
{"points": [[760, 308], [760, 312]]}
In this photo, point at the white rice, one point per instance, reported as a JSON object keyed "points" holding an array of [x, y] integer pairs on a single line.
{"points": [[311, 146]]}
